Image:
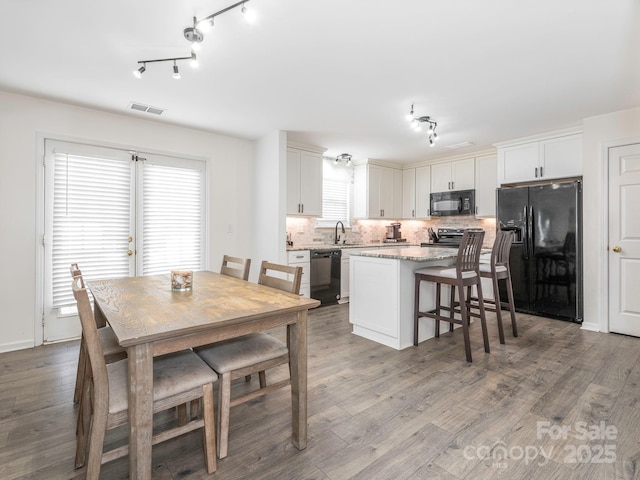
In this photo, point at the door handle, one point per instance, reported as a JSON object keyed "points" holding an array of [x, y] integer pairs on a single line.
{"points": [[617, 249]]}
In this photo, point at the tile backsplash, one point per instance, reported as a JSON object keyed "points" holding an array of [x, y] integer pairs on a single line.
{"points": [[304, 231]]}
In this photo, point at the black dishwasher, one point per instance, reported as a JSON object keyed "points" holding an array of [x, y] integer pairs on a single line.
{"points": [[325, 275]]}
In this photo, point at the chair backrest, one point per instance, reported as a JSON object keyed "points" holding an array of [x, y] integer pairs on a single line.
{"points": [[75, 272], [236, 267], [281, 282], [502, 248], [469, 250], [90, 332]]}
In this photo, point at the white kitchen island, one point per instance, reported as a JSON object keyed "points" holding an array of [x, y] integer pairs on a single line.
{"points": [[382, 293]]}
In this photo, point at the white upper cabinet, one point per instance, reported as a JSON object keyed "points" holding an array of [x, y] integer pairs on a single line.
{"points": [[486, 184], [423, 192], [455, 175], [551, 158], [304, 183], [409, 193], [377, 192]]}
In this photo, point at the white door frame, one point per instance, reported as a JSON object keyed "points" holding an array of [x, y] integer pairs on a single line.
{"points": [[604, 228]]}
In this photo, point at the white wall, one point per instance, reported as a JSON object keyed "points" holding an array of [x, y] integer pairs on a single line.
{"points": [[599, 133], [25, 119]]}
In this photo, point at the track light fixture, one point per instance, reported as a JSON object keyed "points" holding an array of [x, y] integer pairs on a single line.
{"points": [[343, 157], [416, 124], [195, 36]]}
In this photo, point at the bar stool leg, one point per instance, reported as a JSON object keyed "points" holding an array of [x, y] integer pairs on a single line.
{"points": [[498, 304], [483, 318], [511, 306], [438, 297], [452, 304], [416, 311], [465, 325]]}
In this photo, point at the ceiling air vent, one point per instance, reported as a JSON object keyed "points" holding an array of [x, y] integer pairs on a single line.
{"points": [[459, 145], [145, 108]]}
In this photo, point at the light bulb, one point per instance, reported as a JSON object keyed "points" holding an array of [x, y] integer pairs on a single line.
{"points": [[194, 60], [431, 143], [249, 14], [430, 131], [195, 46], [206, 24], [176, 72], [138, 73]]}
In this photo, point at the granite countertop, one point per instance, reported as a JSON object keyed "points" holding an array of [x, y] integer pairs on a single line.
{"points": [[341, 246], [416, 254]]}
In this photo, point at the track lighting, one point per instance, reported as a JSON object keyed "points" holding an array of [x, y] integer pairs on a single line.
{"points": [[410, 114], [195, 36], [343, 157], [416, 124]]}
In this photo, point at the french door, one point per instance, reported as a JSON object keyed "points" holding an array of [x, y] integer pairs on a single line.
{"points": [[116, 213]]}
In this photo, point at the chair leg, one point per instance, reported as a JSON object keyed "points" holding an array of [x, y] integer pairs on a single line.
{"points": [[438, 298], [83, 425], [498, 304], [82, 358], [209, 430], [511, 306], [452, 302], [465, 326], [416, 311], [224, 405], [96, 443], [483, 317]]}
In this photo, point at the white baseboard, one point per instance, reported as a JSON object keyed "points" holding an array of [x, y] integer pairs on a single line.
{"points": [[11, 347], [593, 327]]}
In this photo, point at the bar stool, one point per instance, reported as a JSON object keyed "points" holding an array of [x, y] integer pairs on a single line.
{"points": [[498, 269], [464, 275]]}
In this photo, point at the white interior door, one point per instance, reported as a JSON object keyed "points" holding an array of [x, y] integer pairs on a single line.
{"points": [[624, 240]]}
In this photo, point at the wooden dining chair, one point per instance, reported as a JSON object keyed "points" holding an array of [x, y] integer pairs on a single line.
{"points": [[253, 353], [177, 378], [110, 347], [462, 277], [236, 267]]}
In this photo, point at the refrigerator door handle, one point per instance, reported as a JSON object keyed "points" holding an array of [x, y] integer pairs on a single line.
{"points": [[525, 237], [530, 228], [459, 204]]}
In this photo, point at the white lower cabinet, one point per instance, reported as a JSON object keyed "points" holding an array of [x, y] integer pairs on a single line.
{"points": [[302, 258], [344, 275]]}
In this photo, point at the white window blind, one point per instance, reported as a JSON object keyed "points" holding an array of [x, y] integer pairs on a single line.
{"points": [[336, 194], [91, 220], [172, 217]]}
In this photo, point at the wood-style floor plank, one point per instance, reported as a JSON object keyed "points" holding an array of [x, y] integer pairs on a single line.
{"points": [[374, 412]]}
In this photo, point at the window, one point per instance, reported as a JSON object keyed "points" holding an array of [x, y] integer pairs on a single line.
{"points": [[117, 214], [336, 194]]}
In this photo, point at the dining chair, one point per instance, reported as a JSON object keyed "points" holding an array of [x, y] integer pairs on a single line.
{"points": [[177, 378], [498, 269], [110, 347], [236, 267], [253, 353], [462, 277]]}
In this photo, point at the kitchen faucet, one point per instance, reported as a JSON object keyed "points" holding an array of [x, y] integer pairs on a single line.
{"points": [[336, 238]]}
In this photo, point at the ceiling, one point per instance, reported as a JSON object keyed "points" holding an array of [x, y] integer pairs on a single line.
{"points": [[340, 74]]}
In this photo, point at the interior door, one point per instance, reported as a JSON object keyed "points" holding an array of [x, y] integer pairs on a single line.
{"points": [[624, 239]]}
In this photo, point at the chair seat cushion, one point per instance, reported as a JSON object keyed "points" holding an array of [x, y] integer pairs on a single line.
{"points": [[486, 268], [241, 352], [109, 342], [445, 272], [172, 374]]}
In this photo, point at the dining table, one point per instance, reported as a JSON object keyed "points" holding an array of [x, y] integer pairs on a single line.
{"points": [[149, 319]]}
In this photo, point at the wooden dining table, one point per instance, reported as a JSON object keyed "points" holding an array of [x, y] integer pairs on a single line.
{"points": [[150, 319]]}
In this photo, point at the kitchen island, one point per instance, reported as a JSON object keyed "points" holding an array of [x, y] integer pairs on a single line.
{"points": [[382, 292]]}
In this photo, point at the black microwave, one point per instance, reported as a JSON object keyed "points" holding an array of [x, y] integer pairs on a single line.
{"points": [[461, 202]]}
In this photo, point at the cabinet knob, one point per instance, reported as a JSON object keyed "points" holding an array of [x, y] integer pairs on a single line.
{"points": [[617, 249]]}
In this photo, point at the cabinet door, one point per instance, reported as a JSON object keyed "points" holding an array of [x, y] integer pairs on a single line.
{"points": [[423, 192], [397, 193], [441, 177], [518, 163], [311, 184], [386, 192], [293, 182], [486, 184], [561, 157], [374, 182], [409, 193], [463, 174]]}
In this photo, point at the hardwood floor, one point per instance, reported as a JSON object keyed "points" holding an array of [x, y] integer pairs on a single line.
{"points": [[376, 413]]}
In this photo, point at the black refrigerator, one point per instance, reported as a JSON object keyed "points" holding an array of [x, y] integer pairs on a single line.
{"points": [[546, 256]]}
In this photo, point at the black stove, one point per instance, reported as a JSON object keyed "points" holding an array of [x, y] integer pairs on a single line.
{"points": [[447, 238]]}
